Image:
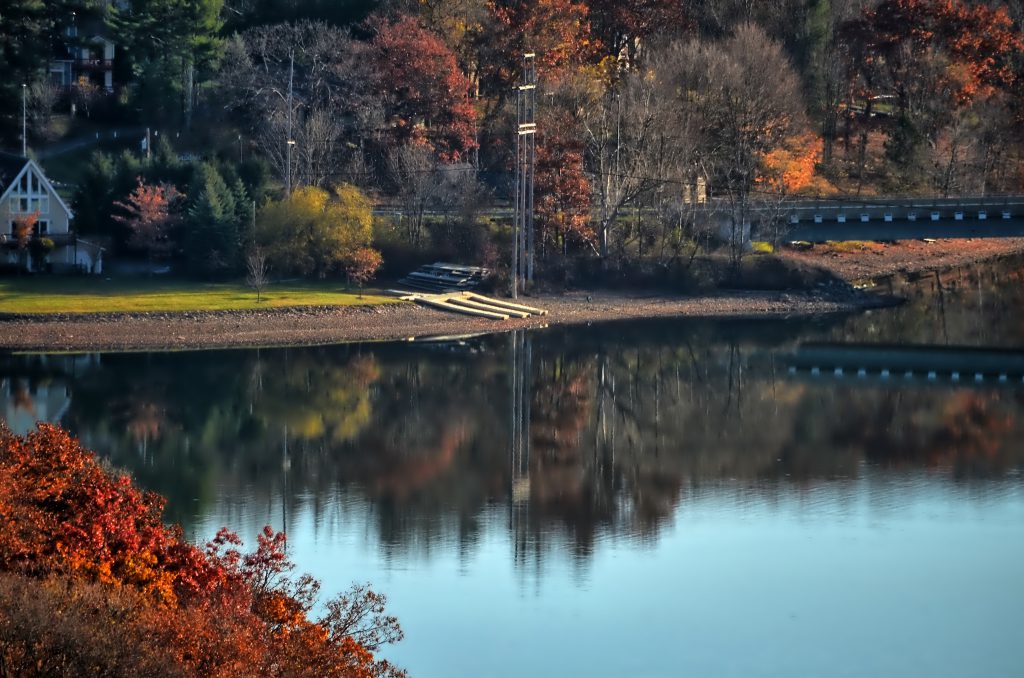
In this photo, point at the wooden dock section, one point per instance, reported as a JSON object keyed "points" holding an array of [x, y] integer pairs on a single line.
{"points": [[471, 303]]}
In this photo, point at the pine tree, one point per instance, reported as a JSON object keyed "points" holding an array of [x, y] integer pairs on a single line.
{"points": [[173, 46], [212, 237]]}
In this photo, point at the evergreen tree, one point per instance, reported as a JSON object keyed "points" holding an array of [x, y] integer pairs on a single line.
{"points": [[212, 231], [173, 46], [94, 199]]}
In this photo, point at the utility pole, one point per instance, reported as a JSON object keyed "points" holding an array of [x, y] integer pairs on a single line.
{"points": [[526, 132], [289, 142], [24, 120]]}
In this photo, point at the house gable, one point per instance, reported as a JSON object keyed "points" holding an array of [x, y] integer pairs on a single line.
{"points": [[28, 188]]}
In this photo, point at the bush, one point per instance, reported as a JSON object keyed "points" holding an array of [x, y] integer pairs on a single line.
{"points": [[93, 583], [770, 272]]}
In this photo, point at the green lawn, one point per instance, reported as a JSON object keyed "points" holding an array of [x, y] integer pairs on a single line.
{"points": [[40, 294]]}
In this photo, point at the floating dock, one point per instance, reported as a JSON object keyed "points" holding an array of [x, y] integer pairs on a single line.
{"points": [[471, 303]]}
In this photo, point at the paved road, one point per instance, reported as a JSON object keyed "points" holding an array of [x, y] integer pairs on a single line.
{"points": [[905, 218], [134, 134]]}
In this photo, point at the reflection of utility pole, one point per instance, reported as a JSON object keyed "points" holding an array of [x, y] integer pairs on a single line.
{"points": [[526, 131], [519, 379]]}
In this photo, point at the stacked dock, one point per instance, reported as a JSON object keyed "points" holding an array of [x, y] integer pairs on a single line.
{"points": [[441, 277], [471, 303]]}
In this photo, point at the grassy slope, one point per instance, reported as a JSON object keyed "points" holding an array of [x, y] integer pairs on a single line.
{"points": [[91, 295]]}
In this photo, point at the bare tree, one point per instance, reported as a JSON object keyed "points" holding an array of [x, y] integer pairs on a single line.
{"points": [[256, 271], [631, 147], [308, 83], [747, 101], [42, 97], [414, 170]]}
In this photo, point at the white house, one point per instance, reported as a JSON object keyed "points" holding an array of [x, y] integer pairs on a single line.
{"points": [[26, 192]]}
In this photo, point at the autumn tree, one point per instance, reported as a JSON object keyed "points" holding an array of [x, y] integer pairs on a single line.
{"points": [[361, 265], [149, 213], [623, 28], [24, 227], [114, 591], [557, 31], [426, 94], [562, 187], [937, 59], [313, 232]]}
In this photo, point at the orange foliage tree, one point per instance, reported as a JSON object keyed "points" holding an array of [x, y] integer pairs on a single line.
{"points": [[78, 537], [147, 213], [24, 228], [557, 31], [790, 168], [974, 43], [562, 187], [426, 92]]}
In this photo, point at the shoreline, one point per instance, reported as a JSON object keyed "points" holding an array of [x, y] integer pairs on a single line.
{"points": [[397, 322]]}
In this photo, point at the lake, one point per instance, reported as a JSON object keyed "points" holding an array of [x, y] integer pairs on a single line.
{"points": [[662, 498]]}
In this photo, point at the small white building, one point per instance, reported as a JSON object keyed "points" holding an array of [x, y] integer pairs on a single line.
{"points": [[25, 192]]}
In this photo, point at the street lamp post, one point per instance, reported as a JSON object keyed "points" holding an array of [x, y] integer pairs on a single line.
{"points": [[288, 169]]}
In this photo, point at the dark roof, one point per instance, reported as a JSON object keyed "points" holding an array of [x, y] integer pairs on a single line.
{"points": [[10, 166]]}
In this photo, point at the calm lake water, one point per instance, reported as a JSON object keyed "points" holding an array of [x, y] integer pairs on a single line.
{"points": [[642, 499]]}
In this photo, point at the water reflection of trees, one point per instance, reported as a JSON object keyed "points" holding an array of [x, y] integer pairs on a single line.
{"points": [[975, 304], [579, 434]]}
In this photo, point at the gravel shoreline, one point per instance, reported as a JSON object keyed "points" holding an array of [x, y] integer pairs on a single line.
{"points": [[293, 327], [325, 325]]}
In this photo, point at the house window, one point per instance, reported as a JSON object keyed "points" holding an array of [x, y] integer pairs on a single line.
{"points": [[23, 204], [42, 226], [14, 226]]}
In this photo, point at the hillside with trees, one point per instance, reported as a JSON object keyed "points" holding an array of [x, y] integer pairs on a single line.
{"points": [[412, 107]]}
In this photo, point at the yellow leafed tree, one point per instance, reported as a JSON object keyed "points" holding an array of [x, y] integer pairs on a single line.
{"points": [[313, 232]]}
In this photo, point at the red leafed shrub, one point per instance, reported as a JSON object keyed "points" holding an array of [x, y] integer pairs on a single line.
{"points": [[93, 583]]}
